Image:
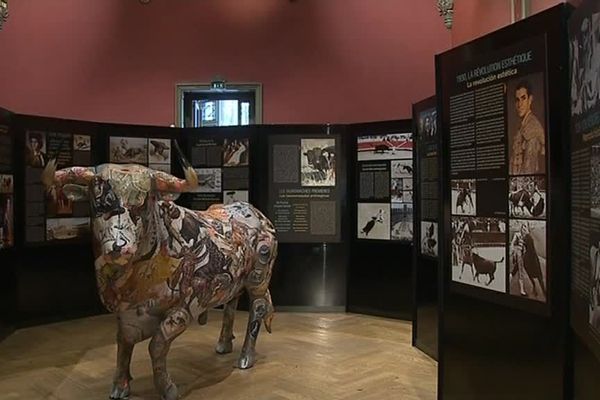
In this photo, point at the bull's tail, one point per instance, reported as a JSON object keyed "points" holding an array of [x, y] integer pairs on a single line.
{"points": [[499, 261]]}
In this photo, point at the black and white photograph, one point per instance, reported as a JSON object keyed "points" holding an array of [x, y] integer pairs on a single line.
{"points": [[428, 124], [402, 222], [161, 167], [82, 143], [209, 180], [397, 191], [6, 183], [66, 228], [407, 184], [128, 150], [374, 221], [464, 197], [235, 152], [527, 197], [585, 66], [385, 147], [528, 259], [159, 151], [479, 252], [526, 125], [7, 235], [595, 182], [233, 196], [35, 149], [317, 162], [594, 299], [402, 168], [429, 238]]}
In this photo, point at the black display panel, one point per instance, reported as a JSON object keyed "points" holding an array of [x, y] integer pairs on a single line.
{"points": [[385, 186], [304, 187], [7, 187], [584, 40], [495, 115]]}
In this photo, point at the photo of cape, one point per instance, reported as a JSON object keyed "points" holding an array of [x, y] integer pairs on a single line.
{"points": [[374, 221], [128, 150], [528, 259], [479, 252], [317, 163], [385, 147]]}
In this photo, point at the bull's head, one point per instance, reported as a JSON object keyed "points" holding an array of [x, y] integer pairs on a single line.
{"points": [[122, 201]]}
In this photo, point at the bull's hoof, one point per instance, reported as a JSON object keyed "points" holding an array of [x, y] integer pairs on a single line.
{"points": [[224, 347], [171, 393], [119, 392], [246, 361]]}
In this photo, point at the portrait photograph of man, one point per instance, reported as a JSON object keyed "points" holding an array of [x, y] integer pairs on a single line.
{"points": [[526, 125], [36, 149]]}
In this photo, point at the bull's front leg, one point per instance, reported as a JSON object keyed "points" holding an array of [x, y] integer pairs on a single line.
{"points": [[172, 326], [225, 344], [261, 309]]}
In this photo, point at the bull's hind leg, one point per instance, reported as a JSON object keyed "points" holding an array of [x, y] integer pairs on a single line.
{"points": [[225, 344], [172, 326], [261, 309]]}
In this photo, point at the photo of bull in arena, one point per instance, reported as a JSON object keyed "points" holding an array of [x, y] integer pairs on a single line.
{"points": [[594, 301], [318, 162], [528, 259], [464, 201], [527, 197], [385, 147], [478, 252], [595, 183]]}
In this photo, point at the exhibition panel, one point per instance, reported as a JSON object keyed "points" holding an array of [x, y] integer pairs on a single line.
{"points": [[380, 159], [427, 209], [584, 40], [503, 105]]}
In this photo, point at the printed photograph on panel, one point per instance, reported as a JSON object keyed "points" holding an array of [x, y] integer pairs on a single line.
{"points": [[585, 66], [595, 182], [57, 202], [161, 167], [233, 196], [385, 147], [402, 222], [35, 149], [526, 125], [527, 197], [464, 197], [317, 162], [402, 168], [7, 235], [6, 184], [374, 221], [66, 228], [478, 252], [82, 142], [159, 151], [427, 124], [407, 184], [128, 150], [397, 193], [236, 152], [209, 180], [429, 238], [594, 301], [528, 259]]}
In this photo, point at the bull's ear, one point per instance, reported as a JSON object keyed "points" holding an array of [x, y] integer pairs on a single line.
{"points": [[76, 192]]}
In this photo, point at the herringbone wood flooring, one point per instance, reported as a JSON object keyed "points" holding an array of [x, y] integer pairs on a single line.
{"points": [[308, 356]]}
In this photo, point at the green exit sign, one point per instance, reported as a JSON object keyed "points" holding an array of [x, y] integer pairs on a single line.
{"points": [[217, 85]]}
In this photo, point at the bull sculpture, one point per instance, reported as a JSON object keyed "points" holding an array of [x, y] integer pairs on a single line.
{"points": [[160, 266]]}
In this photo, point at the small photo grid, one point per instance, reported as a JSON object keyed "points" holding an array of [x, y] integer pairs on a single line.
{"points": [[464, 197], [527, 197], [236, 152], [429, 238], [528, 271], [478, 252], [374, 221], [159, 151]]}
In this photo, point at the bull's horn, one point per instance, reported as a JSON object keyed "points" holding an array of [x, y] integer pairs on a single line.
{"points": [[185, 164], [48, 174], [171, 184], [72, 175]]}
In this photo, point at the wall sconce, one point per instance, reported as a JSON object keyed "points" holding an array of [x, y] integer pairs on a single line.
{"points": [[446, 9], [3, 12]]}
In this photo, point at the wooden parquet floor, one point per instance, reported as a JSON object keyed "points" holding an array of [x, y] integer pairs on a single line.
{"points": [[308, 356]]}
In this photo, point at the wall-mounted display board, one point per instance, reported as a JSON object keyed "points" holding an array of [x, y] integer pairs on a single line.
{"points": [[7, 188], [304, 190], [222, 162], [584, 38], [385, 186], [426, 228], [50, 216]]}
